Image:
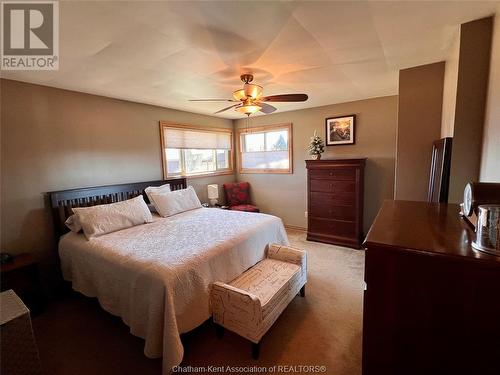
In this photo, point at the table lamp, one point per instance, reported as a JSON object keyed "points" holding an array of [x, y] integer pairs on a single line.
{"points": [[213, 194]]}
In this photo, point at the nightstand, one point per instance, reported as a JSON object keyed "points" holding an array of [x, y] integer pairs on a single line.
{"points": [[21, 275]]}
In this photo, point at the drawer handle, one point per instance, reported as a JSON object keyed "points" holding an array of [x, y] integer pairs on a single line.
{"points": [[331, 173]]}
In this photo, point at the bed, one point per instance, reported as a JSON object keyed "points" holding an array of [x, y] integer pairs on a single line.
{"points": [[157, 276]]}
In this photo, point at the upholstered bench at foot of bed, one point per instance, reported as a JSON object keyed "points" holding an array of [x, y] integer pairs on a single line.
{"points": [[251, 303]]}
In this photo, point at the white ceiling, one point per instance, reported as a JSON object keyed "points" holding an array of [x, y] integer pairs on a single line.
{"points": [[165, 53]]}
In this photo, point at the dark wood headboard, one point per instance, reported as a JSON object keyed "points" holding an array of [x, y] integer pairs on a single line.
{"points": [[62, 201]]}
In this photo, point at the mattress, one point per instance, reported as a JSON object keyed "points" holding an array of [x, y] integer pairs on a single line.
{"points": [[157, 276]]}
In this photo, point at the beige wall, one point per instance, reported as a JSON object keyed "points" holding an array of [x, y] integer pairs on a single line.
{"points": [[472, 91], [490, 161], [419, 125], [285, 195], [55, 139]]}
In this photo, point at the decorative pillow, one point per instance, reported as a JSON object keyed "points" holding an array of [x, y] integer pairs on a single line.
{"points": [[177, 201], [151, 190], [107, 218], [237, 193], [73, 224]]}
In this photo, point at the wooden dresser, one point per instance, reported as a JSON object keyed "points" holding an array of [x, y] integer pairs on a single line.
{"points": [[335, 201], [432, 303]]}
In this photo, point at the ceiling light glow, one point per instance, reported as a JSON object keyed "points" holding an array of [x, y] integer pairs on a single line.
{"points": [[249, 109]]}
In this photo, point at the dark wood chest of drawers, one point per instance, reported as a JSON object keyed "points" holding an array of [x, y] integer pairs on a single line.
{"points": [[431, 304], [335, 201]]}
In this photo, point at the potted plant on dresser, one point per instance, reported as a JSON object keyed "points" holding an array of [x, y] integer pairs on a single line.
{"points": [[316, 146]]}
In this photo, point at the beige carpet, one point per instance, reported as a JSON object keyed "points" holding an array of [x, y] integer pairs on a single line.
{"points": [[75, 336]]}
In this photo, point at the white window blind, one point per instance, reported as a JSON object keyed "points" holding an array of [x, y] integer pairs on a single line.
{"points": [[266, 150], [196, 139], [194, 151]]}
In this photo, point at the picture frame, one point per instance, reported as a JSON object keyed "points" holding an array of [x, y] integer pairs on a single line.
{"points": [[340, 130]]}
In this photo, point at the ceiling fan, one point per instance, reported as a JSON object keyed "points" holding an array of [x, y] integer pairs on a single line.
{"points": [[249, 99]]}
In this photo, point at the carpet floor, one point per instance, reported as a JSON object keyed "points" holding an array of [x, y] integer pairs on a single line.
{"points": [[75, 336]]}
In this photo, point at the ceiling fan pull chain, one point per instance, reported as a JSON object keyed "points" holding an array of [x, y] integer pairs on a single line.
{"points": [[247, 122]]}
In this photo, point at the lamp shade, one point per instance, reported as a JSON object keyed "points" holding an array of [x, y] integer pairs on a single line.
{"points": [[252, 91], [248, 109], [239, 95], [213, 191]]}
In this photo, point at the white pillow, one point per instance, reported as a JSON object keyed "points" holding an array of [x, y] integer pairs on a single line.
{"points": [[175, 202], [151, 190], [73, 224], [107, 218]]}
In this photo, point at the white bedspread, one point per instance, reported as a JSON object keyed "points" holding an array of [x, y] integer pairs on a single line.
{"points": [[156, 276]]}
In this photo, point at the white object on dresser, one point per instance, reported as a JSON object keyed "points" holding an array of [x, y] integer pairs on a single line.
{"points": [[19, 352], [251, 303]]}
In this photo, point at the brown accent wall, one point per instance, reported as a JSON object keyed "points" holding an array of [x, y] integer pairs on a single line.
{"points": [[54, 139], [490, 161], [450, 88], [472, 88], [419, 124], [285, 195]]}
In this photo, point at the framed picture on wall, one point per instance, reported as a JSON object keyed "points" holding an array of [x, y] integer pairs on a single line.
{"points": [[340, 130]]}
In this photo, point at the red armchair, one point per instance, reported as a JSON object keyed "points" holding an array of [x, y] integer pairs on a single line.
{"points": [[238, 197]]}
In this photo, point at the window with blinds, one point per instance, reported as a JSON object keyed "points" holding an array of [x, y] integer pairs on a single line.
{"points": [[195, 151], [266, 149]]}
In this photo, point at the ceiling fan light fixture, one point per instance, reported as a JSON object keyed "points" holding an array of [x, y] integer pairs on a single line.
{"points": [[250, 99], [249, 109], [252, 91], [239, 95]]}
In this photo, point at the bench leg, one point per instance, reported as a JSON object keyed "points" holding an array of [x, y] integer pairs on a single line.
{"points": [[303, 291], [255, 350], [219, 331]]}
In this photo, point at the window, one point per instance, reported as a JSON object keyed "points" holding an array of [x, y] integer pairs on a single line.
{"points": [[266, 149], [195, 151]]}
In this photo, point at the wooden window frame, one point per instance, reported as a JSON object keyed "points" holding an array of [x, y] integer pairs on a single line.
{"points": [[260, 129], [206, 129]]}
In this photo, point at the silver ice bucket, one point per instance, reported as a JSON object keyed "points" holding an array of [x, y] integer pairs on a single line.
{"points": [[487, 229]]}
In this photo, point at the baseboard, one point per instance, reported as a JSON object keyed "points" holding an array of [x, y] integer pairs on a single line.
{"points": [[293, 227], [334, 240]]}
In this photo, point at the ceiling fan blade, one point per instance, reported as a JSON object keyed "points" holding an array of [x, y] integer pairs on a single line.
{"points": [[285, 98], [266, 108], [225, 109], [213, 100]]}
